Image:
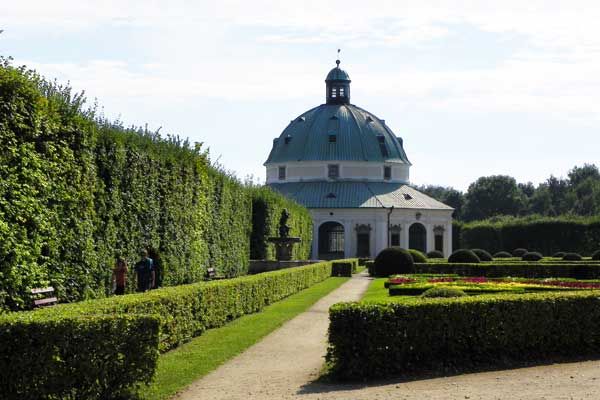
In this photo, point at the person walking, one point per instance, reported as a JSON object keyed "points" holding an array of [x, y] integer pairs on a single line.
{"points": [[145, 272], [119, 276]]}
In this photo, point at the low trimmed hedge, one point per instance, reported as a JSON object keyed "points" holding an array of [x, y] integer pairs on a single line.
{"points": [[344, 267], [532, 256], [572, 257], [375, 340], [502, 254], [417, 255], [523, 269], [82, 357], [370, 265], [188, 310], [463, 256]]}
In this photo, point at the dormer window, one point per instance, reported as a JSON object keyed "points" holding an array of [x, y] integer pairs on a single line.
{"points": [[332, 138], [333, 171], [382, 146], [288, 139], [282, 173], [342, 92], [387, 173], [333, 92]]}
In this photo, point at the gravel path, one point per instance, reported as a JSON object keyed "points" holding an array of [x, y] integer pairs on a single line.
{"points": [[278, 366], [284, 364]]}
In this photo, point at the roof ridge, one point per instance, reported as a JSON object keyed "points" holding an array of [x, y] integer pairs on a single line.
{"points": [[374, 195]]}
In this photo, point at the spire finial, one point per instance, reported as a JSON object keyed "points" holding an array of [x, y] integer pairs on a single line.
{"points": [[338, 58]]}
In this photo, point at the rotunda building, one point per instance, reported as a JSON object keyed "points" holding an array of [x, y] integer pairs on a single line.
{"points": [[351, 171]]}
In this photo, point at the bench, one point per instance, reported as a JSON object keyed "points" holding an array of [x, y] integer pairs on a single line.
{"points": [[211, 274], [43, 297]]}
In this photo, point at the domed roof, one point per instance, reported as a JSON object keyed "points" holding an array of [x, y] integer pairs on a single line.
{"points": [[337, 132], [337, 74]]}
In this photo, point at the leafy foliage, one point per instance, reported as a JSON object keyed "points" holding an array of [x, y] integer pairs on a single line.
{"points": [[61, 356], [75, 188], [502, 254], [577, 270], [443, 291], [532, 256], [463, 256], [437, 334], [393, 260], [417, 256], [435, 254], [267, 206], [520, 252], [572, 257], [482, 254]]}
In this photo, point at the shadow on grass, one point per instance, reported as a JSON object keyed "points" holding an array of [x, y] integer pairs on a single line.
{"points": [[328, 382]]}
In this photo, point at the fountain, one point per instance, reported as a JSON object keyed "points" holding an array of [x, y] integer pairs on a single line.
{"points": [[284, 242]]}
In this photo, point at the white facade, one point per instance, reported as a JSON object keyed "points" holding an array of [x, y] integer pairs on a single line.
{"points": [[435, 222], [367, 171]]}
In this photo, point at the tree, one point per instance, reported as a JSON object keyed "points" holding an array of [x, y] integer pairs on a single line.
{"points": [[579, 174], [447, 195], [493, 195]]}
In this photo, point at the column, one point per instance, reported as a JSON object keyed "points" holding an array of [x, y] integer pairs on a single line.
{"points": [[404, 235], [430, 238], [315, 241], [448, 240], [348, 238]]}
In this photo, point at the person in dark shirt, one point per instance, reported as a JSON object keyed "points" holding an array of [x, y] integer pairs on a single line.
{"points": [[145, 272], [120, 275]]}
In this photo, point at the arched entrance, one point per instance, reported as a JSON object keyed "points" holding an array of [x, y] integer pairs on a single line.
{"points": [[331, 241], [417, 237]]}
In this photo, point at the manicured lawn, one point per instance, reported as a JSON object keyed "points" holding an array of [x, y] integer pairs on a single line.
{"points": [[376, 291], [180, 367]]}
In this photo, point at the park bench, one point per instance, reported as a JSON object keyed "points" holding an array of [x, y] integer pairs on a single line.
{"points": [[43, 297], [211, 274]]}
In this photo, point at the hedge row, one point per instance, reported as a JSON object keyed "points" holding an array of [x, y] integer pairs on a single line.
{"points": [[65, 357], [75, 189], [344, 267], [374, 340], [545, 235], [188, 310], [523, 269], [267, 206]]}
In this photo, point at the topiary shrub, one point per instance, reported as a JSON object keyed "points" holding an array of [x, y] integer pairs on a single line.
{"points": [[560, 254], [443, 291], [532, 256], [435, 254], [596, 256], [572, 257], [417, 256], [394, 260], [519, 252], [463, 256], [482, 254], [503, 254]]}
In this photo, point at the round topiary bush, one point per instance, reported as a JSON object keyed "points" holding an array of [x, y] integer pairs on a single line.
{"points": [[443, 291], [572, 257], [596, 256], [502, 254], [392, 261], [519, 252], [463, 256], [560, 254], [482, 254], [435, 254], [417, 256], [532, 256]]}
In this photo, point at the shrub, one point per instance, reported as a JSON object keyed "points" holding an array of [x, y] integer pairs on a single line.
{"points": [[437, 335], [502, 254], [393, 260], [482, 254], [463, 256], [435, 254], [560, 269], [81, 357], [560, 254], [417, 256], [443, 291], [188, 310], [344, 267], [572, 257], [596, 256], [519, 252], [532, 256]]}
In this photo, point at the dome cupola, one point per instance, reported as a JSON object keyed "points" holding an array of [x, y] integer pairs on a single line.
{"points": [[337, 86]]}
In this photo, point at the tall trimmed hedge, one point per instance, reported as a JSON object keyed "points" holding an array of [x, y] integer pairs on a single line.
{"points": [[375, 340], [75, 188], [546, 235], [267, 206]]}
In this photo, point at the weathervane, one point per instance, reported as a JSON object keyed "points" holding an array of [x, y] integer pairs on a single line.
{"points": [[338, 58]]}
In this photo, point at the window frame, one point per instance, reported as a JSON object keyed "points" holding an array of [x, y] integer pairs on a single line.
{"points": [[280, 176], [333, 167], [387, 173]]}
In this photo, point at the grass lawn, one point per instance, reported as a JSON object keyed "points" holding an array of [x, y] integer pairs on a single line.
{"points": [[183, 365], [376, 291]]}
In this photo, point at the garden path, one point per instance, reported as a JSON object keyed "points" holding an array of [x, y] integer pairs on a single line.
{"points": [[285, 363], [278, 366]]}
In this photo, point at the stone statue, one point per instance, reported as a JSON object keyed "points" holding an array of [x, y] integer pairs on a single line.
{"points": [[284, 229]]}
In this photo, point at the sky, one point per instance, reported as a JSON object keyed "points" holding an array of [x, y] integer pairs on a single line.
{"points": [[474, 88]]}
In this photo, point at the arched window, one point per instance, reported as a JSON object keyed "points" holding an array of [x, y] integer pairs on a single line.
{"points": [[417, 237], [331, 241]]}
